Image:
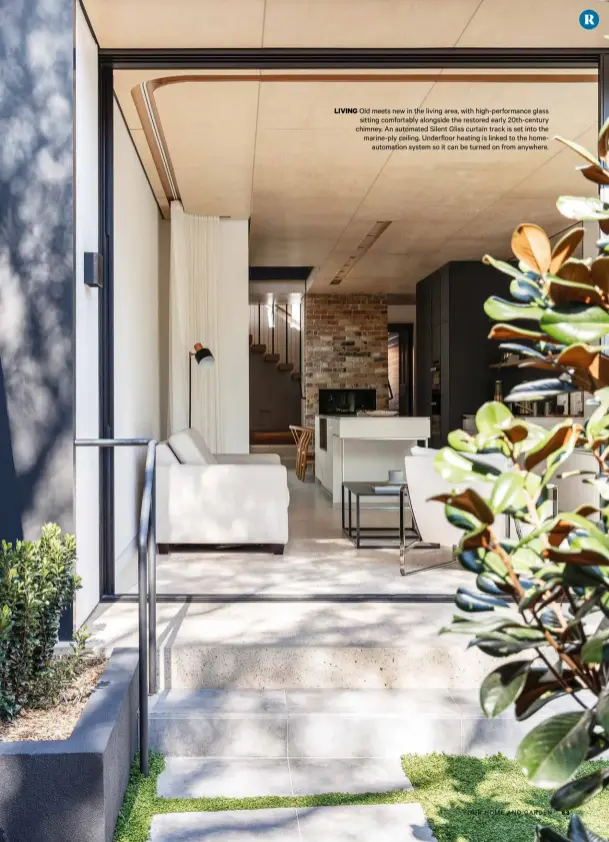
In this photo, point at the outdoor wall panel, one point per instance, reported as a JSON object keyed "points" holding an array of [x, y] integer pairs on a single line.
{"points": [[36, 266]]}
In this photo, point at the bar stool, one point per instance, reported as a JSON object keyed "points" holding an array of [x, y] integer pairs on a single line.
{"points": [[303, 436]]}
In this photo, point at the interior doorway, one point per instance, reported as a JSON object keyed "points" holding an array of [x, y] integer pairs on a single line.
{"points": [[401, 366]]}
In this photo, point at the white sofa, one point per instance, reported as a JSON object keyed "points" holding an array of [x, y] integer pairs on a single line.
{"points": [[219, 499]]}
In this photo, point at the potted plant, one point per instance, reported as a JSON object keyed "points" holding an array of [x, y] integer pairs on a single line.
{"points": [[541, 601]]}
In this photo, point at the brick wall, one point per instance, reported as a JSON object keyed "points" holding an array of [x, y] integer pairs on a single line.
{"points": [[345, 346]]}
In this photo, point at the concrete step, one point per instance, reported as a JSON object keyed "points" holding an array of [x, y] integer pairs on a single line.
{"points": [[285, 367], [272, 358], [291, 645], [353, 823], [258, 349], [330, 724]]}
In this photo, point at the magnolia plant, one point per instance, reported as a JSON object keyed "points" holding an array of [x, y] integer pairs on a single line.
{"points": [[541, 602]]}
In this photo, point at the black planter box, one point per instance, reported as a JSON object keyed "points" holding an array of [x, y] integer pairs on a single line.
{"points": [[72, 790]]}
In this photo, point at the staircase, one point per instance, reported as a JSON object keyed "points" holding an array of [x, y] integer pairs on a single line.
{"points": [[275, 335]]}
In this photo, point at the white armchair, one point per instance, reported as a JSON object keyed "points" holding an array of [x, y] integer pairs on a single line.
{"points": [[211, 499], [430, 527]]}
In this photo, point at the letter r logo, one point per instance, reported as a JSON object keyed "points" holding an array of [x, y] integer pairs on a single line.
{"points": [[589, 19]]}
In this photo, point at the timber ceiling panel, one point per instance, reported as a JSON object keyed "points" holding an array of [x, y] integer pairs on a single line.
{"points": [[343, 23], [277, 153]]}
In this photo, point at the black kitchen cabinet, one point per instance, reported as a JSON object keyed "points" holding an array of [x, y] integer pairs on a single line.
{"points": [[452, 350]]}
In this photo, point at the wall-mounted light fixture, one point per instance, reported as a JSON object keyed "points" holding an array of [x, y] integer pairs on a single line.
{"points": [[94, 269]]}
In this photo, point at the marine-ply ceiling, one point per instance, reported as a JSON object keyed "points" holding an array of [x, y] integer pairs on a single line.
{"points": [[277, 152], [344, 23]]}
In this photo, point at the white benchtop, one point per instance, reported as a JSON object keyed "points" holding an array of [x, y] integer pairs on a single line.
{"points": [[389, 428], [363, 447]]}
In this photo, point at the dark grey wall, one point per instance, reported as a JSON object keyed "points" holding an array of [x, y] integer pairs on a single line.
{"points": [[274, 397], [36, 266], [452, 329]]}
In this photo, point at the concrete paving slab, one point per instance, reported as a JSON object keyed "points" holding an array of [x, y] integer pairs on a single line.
{"points": [[386, 822], [230, 826], [316, 777], [200, 777]]}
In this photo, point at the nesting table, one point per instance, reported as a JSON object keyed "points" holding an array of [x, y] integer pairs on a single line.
{"points": [[356, 532]]}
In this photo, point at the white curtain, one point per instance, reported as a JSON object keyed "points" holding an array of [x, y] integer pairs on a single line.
{"points": [[193, 293]]}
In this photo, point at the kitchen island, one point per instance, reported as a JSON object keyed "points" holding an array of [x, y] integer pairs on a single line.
{"points": [[363, 448]]}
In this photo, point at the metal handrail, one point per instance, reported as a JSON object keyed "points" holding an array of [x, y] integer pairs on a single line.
{"points": [[146, 563]]}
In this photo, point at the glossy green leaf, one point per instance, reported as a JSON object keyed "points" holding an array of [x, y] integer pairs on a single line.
{"points": [[492, 585], [576, 793], [583, 208], [602, 711], [495, 564], [540, 390], [508, 493], [502, 687], [596, 649], [502, 266], [581, 150], [462, 441], [523, 289], [525, 560], [456, 468], [470, 561], [578, 832], [471, 601], [500, 644], [463, 625], [501, 310], [575, 324], [491, 417], [460, 519], [554, 750]]}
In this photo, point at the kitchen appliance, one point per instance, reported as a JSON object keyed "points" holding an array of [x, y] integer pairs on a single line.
{"points": [[346, 401]]}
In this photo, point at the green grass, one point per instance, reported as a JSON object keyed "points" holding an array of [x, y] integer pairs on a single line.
{"points": [[465, 800]]}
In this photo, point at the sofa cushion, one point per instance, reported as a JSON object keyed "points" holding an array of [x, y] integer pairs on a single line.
{"points": [[190, 448], [165, 455]]}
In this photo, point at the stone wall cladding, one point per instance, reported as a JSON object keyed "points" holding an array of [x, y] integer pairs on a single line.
{"points": [[345, 347]]}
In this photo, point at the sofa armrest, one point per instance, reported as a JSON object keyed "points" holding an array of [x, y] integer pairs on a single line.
{"points": [[247, 458], [222, 504]]}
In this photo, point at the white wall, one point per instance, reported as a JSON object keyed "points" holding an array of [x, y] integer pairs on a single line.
{"points": [[164, 335], [401, 313], [86, 493], [136, 330], [233, 352]]}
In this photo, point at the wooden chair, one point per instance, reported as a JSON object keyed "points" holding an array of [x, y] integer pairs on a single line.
{"points": [[303, 436]]}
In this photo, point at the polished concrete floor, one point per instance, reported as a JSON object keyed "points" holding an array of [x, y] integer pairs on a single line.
{"points": [[318, 559]]}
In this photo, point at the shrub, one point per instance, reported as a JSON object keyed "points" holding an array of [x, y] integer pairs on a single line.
{"points": [[555, 572], [37, 582]]}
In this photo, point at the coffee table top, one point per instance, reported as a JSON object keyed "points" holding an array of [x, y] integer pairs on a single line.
{"points": [[365, 489]]}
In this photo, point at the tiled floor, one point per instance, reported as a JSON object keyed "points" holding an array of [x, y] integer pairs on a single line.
{"points": [[318, 559]]}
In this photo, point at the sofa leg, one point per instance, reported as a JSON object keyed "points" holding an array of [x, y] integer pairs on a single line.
{"points": [[277, 549], [162, 549]]}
